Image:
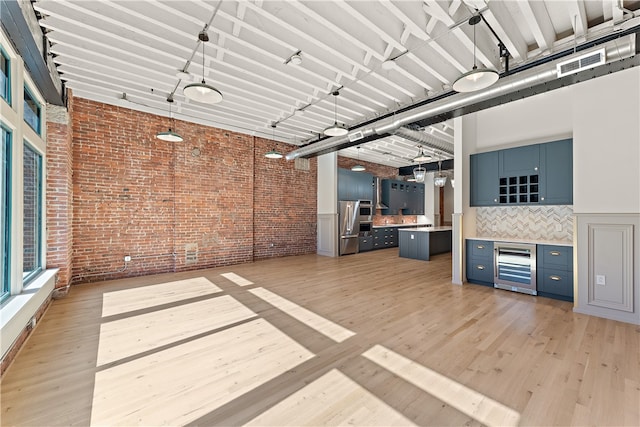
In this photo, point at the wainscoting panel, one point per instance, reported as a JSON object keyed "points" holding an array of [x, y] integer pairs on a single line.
{"points": [[611, 260], [608, 252], [526, 222], [328, 234]]}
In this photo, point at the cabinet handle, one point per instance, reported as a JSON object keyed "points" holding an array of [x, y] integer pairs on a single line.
{"points": [[541, 198], [535, 169], [556, 278], [480, 247], [495, 200], [480, 267], [554, 253]]}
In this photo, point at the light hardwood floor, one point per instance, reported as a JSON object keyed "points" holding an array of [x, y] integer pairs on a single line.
{"points": [[366, 339]]}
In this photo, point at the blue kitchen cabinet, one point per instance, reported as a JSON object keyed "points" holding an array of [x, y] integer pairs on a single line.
{"points": [[479, 255], [520, 161], [554, 274], [484, 179], [540, 174], [415, 199], [354, 185], [556, 179]]}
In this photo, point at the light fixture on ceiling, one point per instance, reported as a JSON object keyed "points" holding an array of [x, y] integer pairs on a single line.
{"points": [[295, 59], [389, 64], [169, 135], [477, 78], [336, 129], [358, 167], [273, 153], [202, 92], [440, 180], [422, 157]]}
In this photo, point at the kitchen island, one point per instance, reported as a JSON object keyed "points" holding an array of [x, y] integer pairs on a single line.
{"points": [[420, 243]]}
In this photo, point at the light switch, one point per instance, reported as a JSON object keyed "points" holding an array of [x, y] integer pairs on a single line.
{"points": [[600, 279]]}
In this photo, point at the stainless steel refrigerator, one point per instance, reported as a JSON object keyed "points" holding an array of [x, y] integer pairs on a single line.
{"points": [[349, 227]]}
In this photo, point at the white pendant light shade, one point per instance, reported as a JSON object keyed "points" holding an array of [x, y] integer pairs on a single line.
{"points": [[476, 79], [202, 92], [273, 154], [336, 130], [419, 173], [422, 157], [170, 136], [358, 167]]}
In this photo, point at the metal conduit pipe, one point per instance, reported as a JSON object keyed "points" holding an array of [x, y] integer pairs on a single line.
{"points": [[506, 85], [424, 139]]}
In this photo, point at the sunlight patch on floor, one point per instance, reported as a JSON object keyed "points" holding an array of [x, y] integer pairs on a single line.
{"points": [[127, 300], [470, 402], [183, 383], [309, 318], [133, 335], [238, 280], [334, 399]]}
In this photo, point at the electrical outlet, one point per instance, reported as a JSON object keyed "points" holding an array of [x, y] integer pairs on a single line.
{"points": [[600, 279], [558, 227], [127, 258]]}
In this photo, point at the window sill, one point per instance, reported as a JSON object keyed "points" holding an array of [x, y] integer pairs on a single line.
{"points": [[17, 310]]}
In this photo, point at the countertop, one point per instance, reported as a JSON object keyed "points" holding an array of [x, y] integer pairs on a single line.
{"points": [[428, 229], [408, 224], [513, 240]]}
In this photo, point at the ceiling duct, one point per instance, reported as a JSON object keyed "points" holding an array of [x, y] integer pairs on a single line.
{"points": [[516, 82], [424, 139]]}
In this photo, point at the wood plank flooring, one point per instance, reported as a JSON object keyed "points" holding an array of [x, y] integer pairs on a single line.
{"points": [[365, 339]]}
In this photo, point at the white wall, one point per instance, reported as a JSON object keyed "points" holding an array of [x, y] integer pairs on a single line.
{"points": [[606, 149]]}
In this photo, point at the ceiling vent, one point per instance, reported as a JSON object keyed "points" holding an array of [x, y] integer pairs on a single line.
{"points": [[581, 63], [356, 136]]}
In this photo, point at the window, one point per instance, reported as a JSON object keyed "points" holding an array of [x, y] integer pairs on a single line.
{"points": [[5, 213], [31, 111], [5, 81], [32, 214]]}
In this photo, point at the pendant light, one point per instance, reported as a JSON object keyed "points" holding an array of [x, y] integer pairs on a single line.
{"points": [[202, 92], [358, 167], [421, 157], [336, 129], [170, 135], [419, 173], [440, 180], [477, 78], [273, 154]]}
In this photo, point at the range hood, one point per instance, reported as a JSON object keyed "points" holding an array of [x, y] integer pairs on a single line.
{"points": [[379, 204]]}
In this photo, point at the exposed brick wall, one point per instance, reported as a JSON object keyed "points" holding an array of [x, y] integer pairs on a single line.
{"points": [[150, 199], [59, 194], [375, 169], [285, 203]]}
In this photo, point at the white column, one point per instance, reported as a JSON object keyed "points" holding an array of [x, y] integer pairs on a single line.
{"points": [[327, 221]]}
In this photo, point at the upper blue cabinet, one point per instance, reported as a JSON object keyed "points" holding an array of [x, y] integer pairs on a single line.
{"points": [[540, 174], [354, 185]]}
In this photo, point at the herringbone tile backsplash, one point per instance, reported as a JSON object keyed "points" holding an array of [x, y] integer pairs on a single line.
{"points": [[526, 222]]}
